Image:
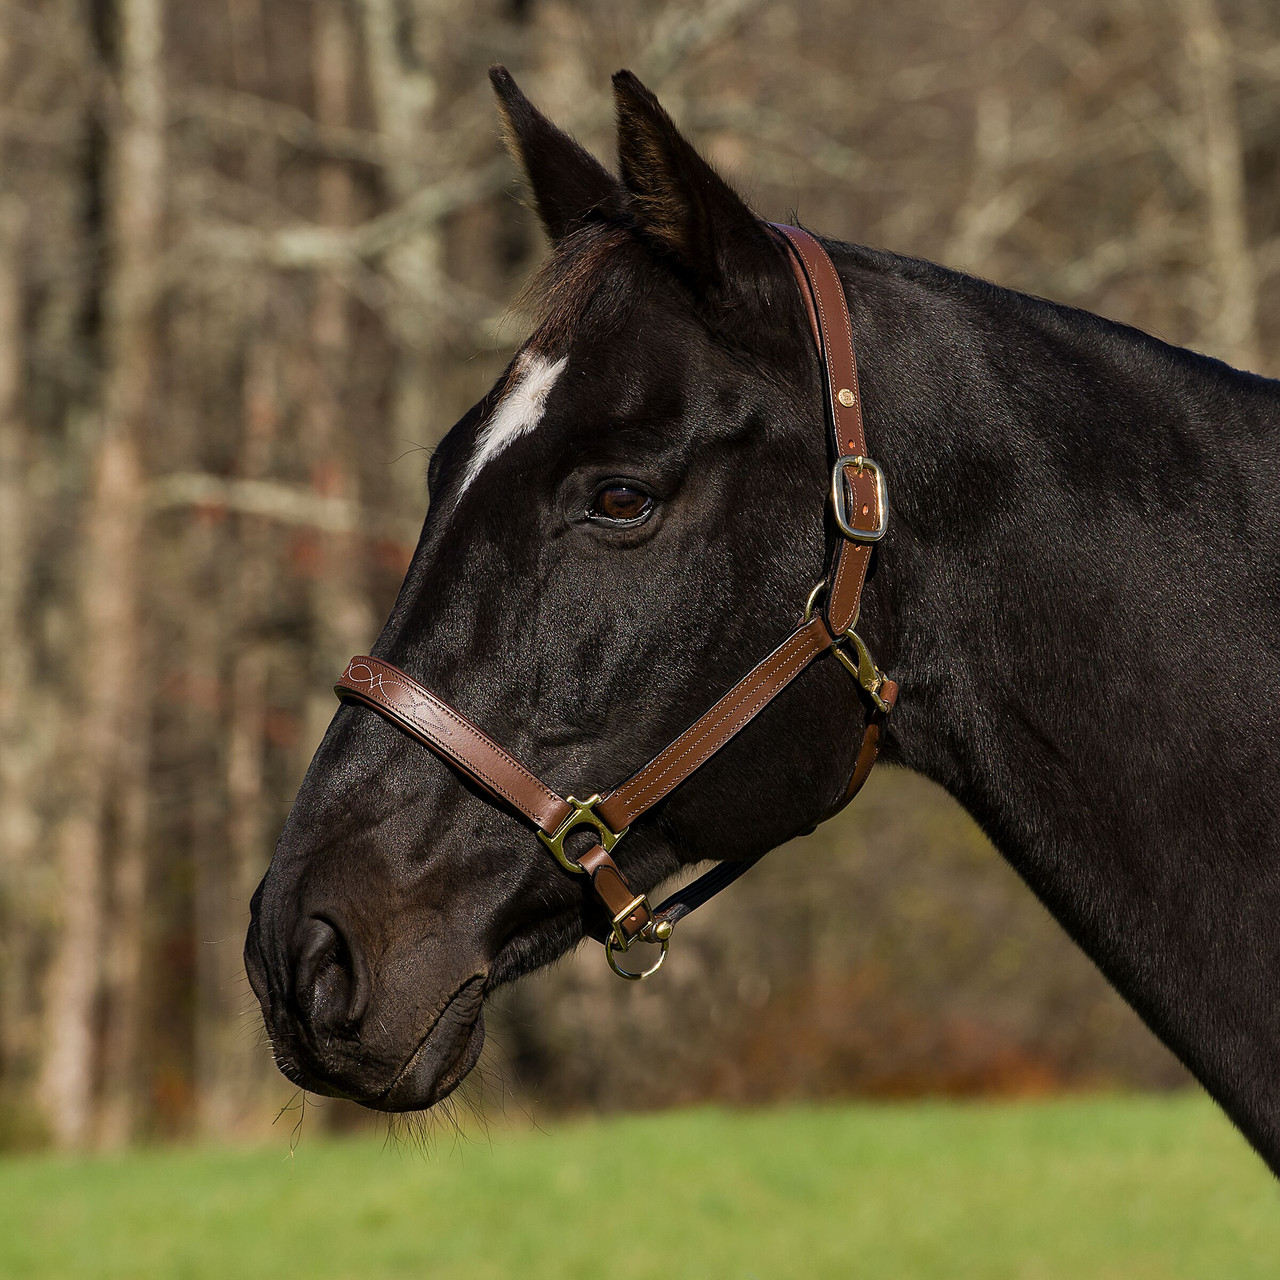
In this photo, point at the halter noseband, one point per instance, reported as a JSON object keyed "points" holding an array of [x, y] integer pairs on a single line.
{"points": [[861, 509]]}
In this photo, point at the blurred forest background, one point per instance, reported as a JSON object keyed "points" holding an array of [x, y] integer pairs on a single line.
{"points": [[254, 260]]}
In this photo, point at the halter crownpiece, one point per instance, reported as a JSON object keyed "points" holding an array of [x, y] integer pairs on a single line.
{"points": [[861, 510]]}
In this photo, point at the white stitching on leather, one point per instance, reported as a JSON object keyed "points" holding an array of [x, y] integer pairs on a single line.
{"points": [[805, 648]]}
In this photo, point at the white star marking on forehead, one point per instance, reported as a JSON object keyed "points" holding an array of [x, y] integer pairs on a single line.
{"points": [[520, 410]]}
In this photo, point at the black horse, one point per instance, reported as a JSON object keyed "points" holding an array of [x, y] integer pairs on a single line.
{"points": [[1079, 594]]}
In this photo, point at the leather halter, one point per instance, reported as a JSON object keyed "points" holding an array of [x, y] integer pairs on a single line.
{"points": [[860, 507]]}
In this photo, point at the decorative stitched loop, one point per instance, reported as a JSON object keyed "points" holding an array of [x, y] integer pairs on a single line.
{"points": [[399, 697]]}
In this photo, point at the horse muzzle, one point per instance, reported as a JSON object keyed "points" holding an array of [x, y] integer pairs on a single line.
{"points": [[341, 1029]]}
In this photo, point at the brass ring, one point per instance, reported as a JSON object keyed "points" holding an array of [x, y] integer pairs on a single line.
{"points": [[611, 947], [814, 596], [811, 603]]}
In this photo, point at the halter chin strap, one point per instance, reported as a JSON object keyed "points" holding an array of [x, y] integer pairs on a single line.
{"points": [[860, 507]]}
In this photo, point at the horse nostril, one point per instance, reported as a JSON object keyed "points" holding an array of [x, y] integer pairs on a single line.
{"points": [[330, 984]]}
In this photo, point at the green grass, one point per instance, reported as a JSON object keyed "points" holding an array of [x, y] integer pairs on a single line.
{"points": [[1141, 1188]]}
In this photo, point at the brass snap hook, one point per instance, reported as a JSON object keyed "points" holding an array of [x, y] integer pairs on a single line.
{"points": [[864, 671]]}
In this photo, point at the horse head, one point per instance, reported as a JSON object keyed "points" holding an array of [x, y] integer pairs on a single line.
{"points": [[627, 521]]}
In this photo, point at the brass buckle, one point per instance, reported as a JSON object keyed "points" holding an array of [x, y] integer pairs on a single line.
{"points": [[840, 498], [640, 900], [583, 814]]}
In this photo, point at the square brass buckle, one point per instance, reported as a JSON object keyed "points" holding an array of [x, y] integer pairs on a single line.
{"points": [[620, 939], [840, 499], [582, 815]]}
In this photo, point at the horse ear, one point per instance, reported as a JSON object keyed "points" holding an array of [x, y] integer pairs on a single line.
{"points": [[568, 183], [678, 199]]}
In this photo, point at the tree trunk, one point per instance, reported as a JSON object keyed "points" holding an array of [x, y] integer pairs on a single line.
{"points": [[400, 99], [107, 611], [1232, 329], [227, 1058], [340, 608], [19, 747], [107, 743]]}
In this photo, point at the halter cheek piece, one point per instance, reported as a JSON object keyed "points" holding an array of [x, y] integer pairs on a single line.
{"points": [[860, 506]]}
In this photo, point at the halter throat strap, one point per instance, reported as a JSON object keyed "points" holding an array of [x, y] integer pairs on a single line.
{"points": [[860, 512]]}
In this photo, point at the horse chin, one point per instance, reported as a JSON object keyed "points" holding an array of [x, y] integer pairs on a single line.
{"points": [[444, 1058]]}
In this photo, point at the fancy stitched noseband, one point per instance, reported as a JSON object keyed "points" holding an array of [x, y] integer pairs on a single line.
{"points": [[861, 509]]}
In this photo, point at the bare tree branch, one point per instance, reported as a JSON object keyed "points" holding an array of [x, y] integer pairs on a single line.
{"points": [[309, 246], [227, 109], [275, 500]]}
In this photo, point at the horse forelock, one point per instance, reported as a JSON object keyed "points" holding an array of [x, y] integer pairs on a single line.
{"points": [[591, 281]]}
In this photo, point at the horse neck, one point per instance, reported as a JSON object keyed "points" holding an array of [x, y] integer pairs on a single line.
{"points": [[1079, 599]]}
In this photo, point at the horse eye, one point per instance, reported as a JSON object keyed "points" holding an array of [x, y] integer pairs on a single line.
{"points": [[621, 504]]}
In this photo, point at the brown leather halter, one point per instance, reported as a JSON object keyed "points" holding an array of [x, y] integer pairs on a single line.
{"points": [[860, 504]]}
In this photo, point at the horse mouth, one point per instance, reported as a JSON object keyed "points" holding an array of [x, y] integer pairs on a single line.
{"points": [[443, 1057]]}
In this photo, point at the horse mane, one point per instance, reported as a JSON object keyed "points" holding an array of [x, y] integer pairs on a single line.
{"points": [[594, 278]]}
